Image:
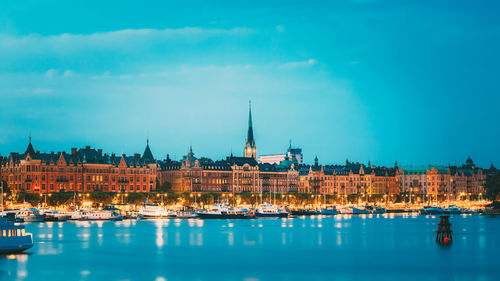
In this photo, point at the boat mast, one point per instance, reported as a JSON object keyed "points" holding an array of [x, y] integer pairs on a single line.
{"points": [[274, 191], [2, 195], [260, 181]]}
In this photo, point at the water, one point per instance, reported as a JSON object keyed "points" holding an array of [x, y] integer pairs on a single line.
{"points": [[379, 247]]}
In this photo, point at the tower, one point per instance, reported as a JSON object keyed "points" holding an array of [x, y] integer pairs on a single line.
{"points": [[250, 148]]}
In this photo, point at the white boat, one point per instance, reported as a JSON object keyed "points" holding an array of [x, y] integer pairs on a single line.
{"points": [[353, 211], [53, 215], [153, 210], [13, 238], [345, 211], [267, 210], [30, 215], [186, 214], [224, 211], [103, 215]]}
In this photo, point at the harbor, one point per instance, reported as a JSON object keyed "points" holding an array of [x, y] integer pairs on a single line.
{"points": [[341, 247]]}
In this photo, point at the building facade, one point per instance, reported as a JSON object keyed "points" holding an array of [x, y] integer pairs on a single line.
{"points": [[83, 170]]}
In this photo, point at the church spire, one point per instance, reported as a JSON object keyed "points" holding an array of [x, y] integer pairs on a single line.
{"points": [[250, 148]]}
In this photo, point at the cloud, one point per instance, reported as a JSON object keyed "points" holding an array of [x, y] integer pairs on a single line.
{"points": [[43, 91], [50, 73], [125, 39], [299, 64], [67, 73]]}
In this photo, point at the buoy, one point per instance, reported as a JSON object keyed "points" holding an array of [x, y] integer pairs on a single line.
{"points": [[443, 236]]}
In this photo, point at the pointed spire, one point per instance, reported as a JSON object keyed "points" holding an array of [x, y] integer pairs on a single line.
{"points": [[250, 149], [147, 156], [316, 161], [249, 113], [30, 150]]}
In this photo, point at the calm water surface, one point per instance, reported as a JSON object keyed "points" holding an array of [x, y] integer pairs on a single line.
{"points": [[383, 247]]}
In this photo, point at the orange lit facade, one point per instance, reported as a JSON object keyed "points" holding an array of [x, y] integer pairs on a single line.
{"points": [[448, 181], [83, 170]]}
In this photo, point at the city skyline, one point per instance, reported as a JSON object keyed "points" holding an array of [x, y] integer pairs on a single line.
{"points": [[359, 80]]}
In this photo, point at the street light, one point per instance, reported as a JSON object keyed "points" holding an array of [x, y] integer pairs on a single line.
{"points": [[45, 197]]}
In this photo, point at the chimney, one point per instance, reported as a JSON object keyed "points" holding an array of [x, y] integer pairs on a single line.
{"points": [[113, 155], [99, 151], [73, 150], [87, 147], [137, 155]]}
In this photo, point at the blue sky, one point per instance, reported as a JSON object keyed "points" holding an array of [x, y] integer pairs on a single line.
{"points": [[415, 81]]}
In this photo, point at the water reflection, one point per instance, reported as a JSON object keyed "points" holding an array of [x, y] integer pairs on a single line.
{"points": [[335, 247]]}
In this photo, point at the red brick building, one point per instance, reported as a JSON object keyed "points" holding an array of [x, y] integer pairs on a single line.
{"points": [[82, 170]]}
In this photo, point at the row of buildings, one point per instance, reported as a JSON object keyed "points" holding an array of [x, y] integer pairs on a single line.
{"points": [[88, 169]]}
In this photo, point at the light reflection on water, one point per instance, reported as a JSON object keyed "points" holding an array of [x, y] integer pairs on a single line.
{"points": [[344, 247]]}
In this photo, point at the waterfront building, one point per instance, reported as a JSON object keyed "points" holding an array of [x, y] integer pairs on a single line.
{"points": [[349, 179], [292, 153], [447, 181], [82, 170], [193, 175]]}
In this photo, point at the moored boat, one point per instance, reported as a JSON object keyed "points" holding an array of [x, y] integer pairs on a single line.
{"points": [[304, 212], [13, 238], [155, 211], [431, 211], [453, 210], [53, 215], [329, 211], [267, 210], [375, 209], [103, 215], [30, 215], [224, 211], [353, 211]]}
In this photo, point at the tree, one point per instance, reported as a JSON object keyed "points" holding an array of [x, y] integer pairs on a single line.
{"points": [[492, 186], [165, 187]]}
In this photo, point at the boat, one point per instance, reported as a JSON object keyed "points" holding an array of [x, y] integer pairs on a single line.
{"points": [[453, 210], [30, 215], [53, 215], [431, 211], [353, 211], [185, 215], [375, 209], [13, 238], [154, 211], [329, 211], [304, 212], [224, 211], [267, 210], [105, 215]]}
